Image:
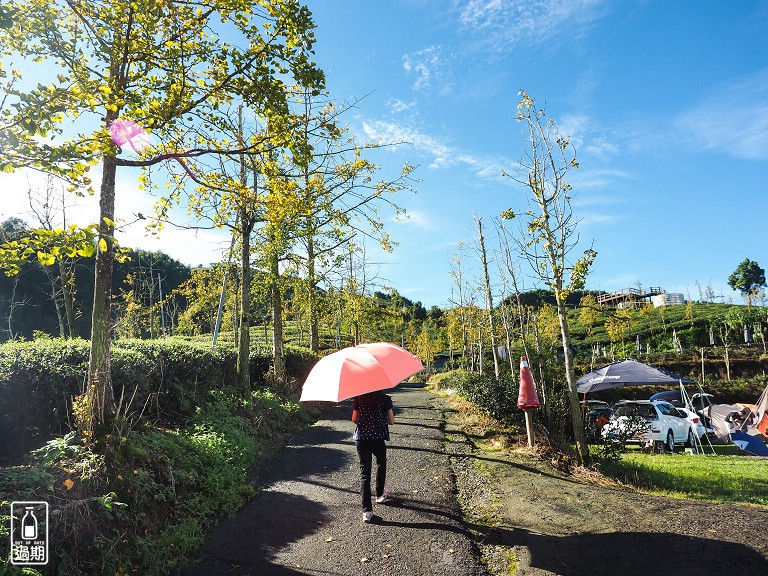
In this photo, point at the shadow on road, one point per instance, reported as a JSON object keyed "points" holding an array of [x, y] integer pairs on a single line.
{"points": [[473, 456], [633, 554], [249, 542]]}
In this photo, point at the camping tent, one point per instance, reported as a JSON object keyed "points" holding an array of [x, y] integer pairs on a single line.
{"points": [[761, 413], [744, 424], [626, 373]]}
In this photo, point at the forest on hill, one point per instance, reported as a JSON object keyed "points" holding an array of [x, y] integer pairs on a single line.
{"points": [[155, 295]]}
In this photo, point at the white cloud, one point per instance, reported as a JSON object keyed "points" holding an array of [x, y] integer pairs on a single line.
{"points": [[502, 24], [397, 106], [188, 246], [16, 186], [417, 218], [430, 69], [595, 179], [442, 155], [589, 220], [733, 119]]}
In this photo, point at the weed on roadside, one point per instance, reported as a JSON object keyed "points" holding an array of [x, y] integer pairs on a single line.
{"points": [[143, 503]]}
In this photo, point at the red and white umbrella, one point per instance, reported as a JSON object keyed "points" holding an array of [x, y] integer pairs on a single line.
{"points": [[358, 370]]}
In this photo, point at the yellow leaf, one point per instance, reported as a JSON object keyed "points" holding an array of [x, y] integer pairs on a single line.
{"points": [[86, 251], [69, 483], [102, 245], [45, 259]]}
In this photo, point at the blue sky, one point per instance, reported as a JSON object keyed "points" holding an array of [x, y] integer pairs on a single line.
{"points": [[666, 103]]}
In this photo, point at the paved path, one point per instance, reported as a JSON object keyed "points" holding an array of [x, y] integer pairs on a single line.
{"points": [[307, 517]]}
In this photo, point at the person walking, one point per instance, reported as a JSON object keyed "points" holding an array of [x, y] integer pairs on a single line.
{"points": [[373, 414]]}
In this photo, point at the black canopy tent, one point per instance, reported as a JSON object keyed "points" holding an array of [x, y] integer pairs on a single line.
{"points": [[633, 373], [627, 373]]}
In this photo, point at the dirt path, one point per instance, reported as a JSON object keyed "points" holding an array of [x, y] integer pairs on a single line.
{"points": [[539, 522], [307, 519]]}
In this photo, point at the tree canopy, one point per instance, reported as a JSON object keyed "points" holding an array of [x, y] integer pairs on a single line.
{"points": [[748, 278], [167, 70]]}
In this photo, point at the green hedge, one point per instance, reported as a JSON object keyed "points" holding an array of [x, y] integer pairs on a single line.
{"points": [[169, 377], [497, 397]]}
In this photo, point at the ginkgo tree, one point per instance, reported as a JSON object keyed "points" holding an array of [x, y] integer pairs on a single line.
{"points": [[165, 66], [340, 198], [548, 230]]}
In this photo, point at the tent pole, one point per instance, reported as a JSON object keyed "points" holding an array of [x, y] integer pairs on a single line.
{"points": [[709, 403], [689, 407], [690, 403]]}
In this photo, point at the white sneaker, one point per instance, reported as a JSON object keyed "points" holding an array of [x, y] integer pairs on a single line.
{"points": [[367, 517], [384, 497]]}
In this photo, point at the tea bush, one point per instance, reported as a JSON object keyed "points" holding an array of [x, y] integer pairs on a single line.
{"points": [[170, 377], [497, 397]]}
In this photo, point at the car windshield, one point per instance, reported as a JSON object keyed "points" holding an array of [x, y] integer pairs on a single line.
{"points": [[643, 410]]}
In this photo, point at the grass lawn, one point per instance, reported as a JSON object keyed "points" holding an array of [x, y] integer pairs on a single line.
{"points": [[728, 476]]}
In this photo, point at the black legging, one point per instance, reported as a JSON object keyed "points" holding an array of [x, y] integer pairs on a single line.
{"points": [[366, 449]]}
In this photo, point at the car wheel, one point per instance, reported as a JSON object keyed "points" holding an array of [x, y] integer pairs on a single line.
{"points": [[670, 446], [690, 442]]}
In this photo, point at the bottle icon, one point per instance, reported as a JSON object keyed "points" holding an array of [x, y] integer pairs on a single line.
{"points": [[29, 525]]}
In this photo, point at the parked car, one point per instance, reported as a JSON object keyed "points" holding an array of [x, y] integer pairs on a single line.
{"points": [[701, 401], [648, 421], [696, 423], [595, 414]]}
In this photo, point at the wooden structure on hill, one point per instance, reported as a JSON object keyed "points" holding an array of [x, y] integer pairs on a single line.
{"points": [[628, 296]]}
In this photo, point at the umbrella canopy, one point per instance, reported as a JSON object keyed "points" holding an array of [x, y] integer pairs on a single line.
{"points": [[357, 370], [626, 373]]}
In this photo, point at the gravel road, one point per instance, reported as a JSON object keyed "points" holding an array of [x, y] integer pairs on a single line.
{"points": [[306, 518]]}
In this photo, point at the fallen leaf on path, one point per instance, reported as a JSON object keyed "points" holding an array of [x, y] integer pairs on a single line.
{"points": [[364, 560], [329, 539]]}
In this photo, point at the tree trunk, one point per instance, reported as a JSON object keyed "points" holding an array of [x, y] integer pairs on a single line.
{"points": [[582, 448], [244, 337], [508, 337], [488, 299], [277, 322], [100, 397], [539, 356], [69, 305], [56, 305], [314, 337]]}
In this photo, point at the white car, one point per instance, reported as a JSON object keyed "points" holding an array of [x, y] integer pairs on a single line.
{"points": [[648, 421], [695, 420]]}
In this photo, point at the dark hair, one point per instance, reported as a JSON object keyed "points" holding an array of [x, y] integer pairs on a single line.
{"points": [[370, 397]]}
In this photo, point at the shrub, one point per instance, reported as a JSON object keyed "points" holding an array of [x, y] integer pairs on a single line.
{"points": [[497, 397], [165, 380], [144, 505]]}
